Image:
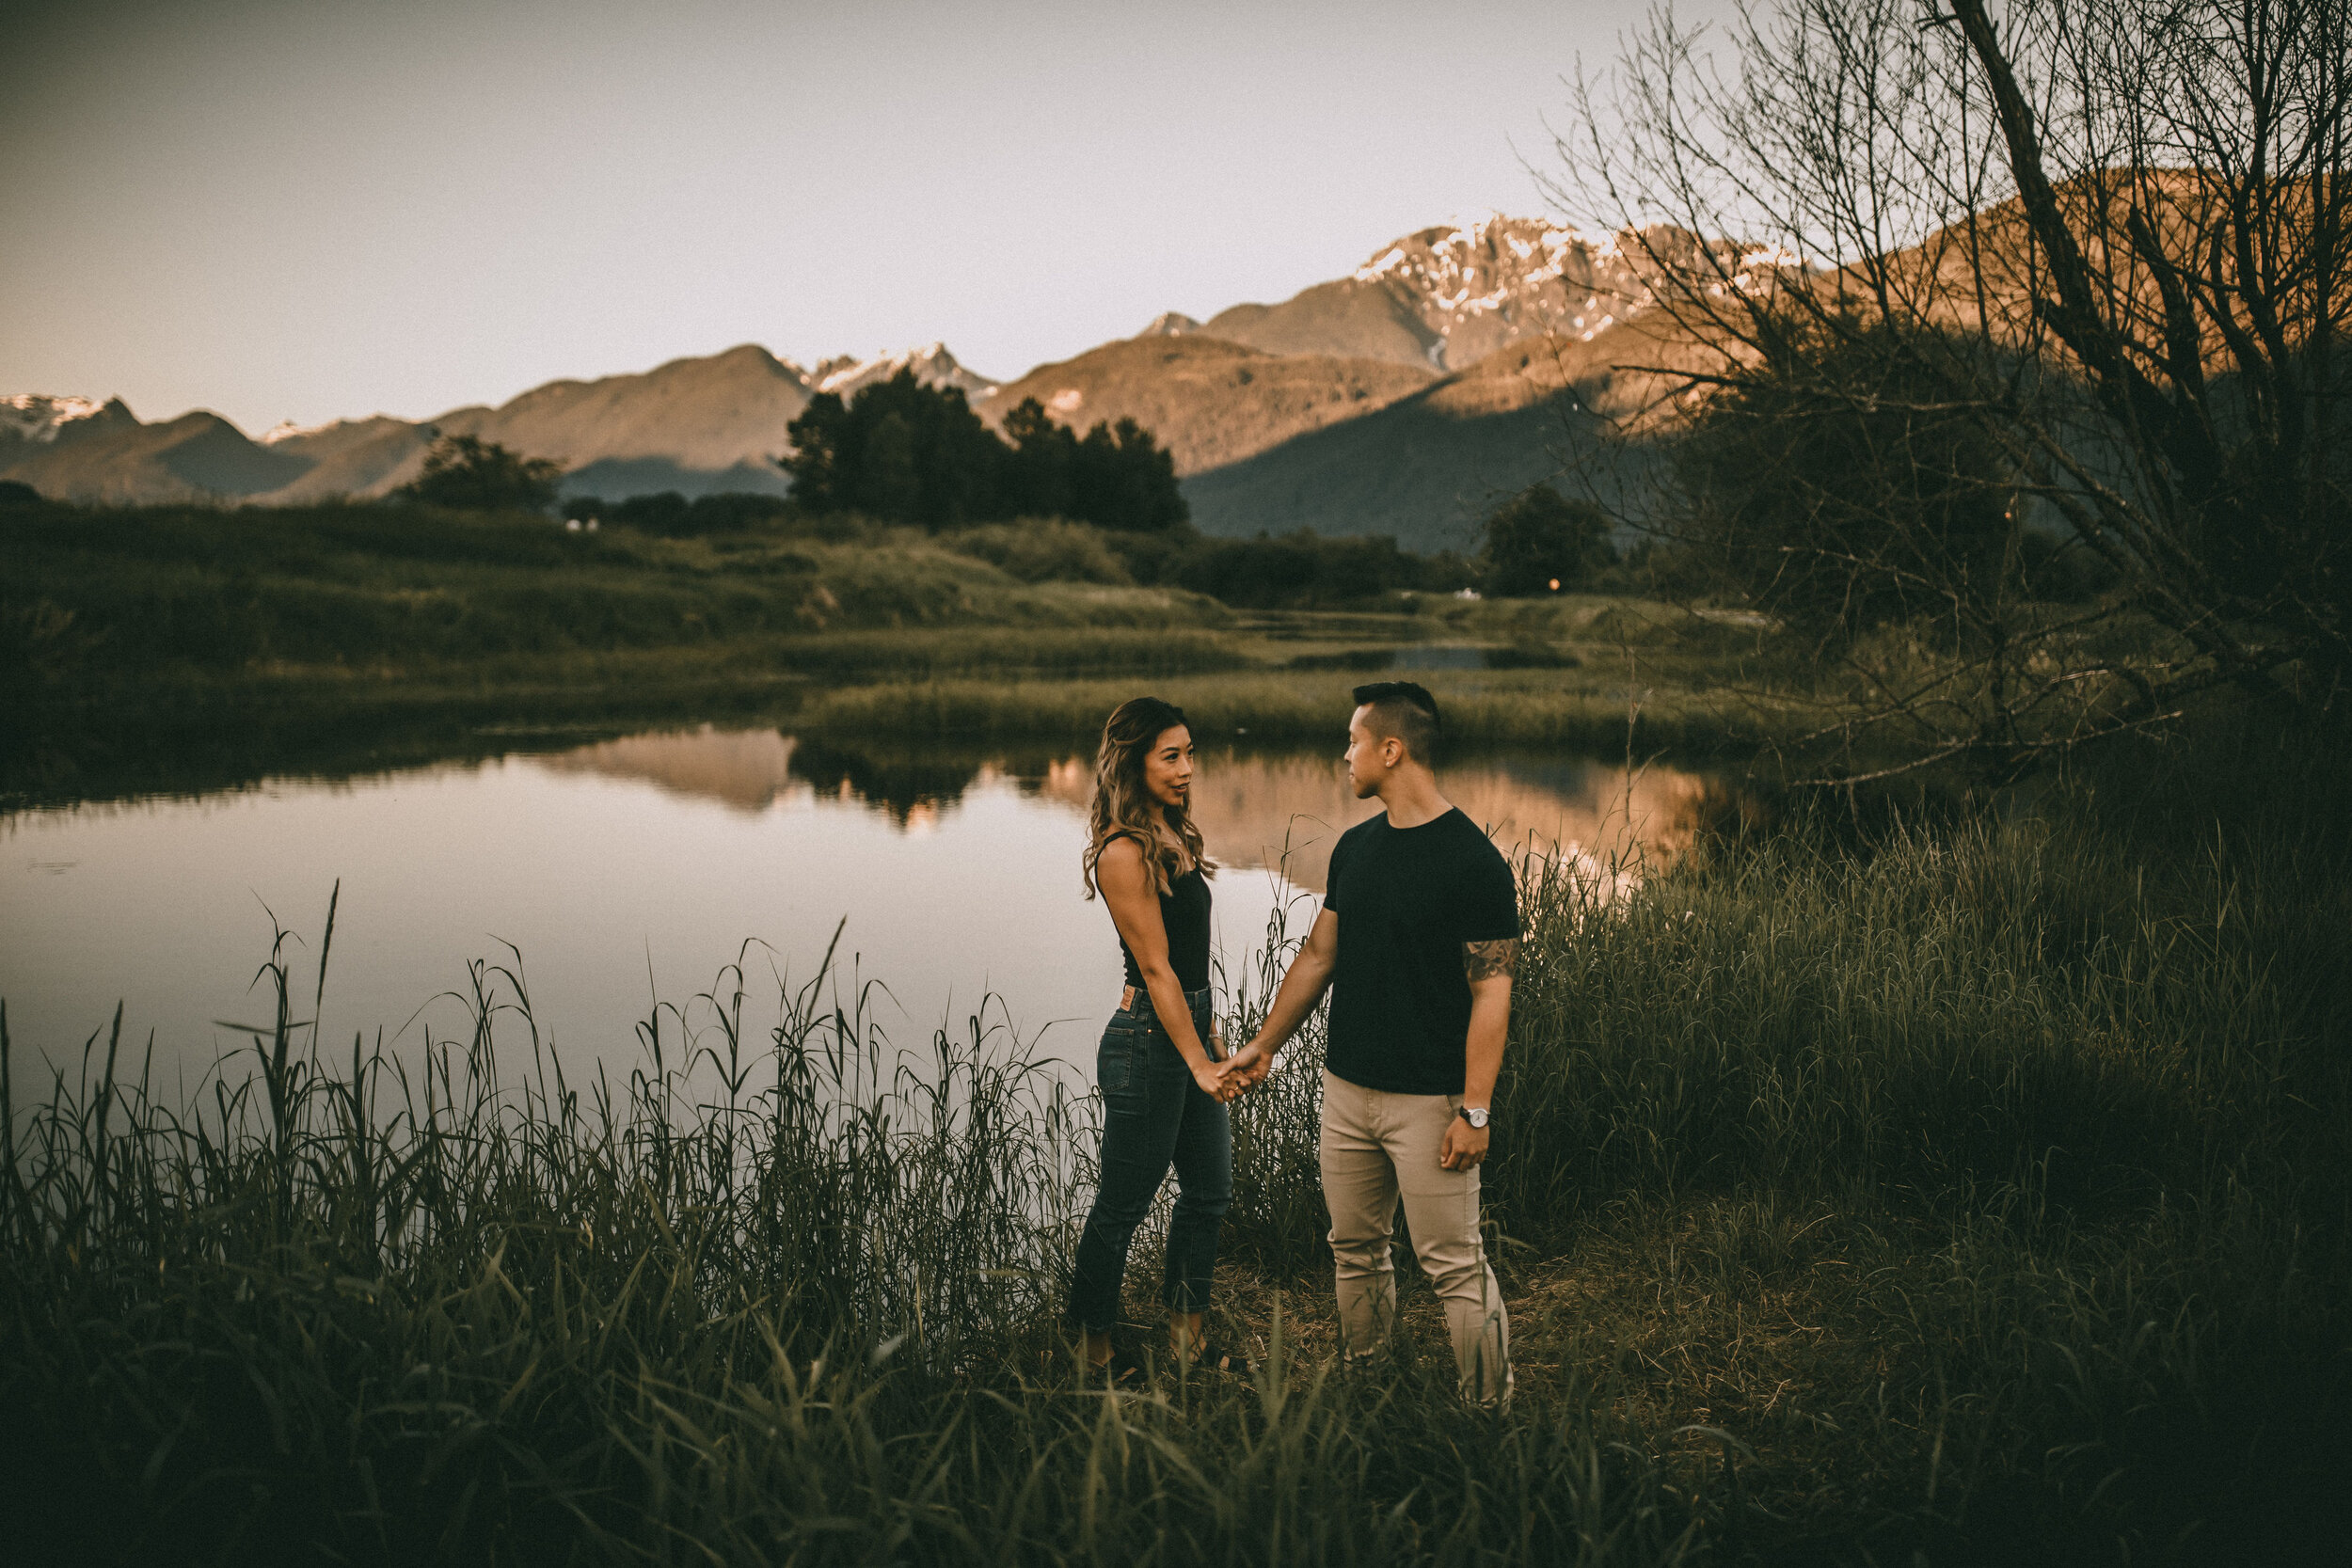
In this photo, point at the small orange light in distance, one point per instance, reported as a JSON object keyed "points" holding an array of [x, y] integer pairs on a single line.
{"points": [[1555, 585]]}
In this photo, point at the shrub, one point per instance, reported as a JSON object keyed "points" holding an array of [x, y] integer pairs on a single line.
{"points": [[672, 515], [1303, 571], [1043, 550], [466, 471], [1540, 542]]}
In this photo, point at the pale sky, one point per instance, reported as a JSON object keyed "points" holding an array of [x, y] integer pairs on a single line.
{"points": [[281, 210]]}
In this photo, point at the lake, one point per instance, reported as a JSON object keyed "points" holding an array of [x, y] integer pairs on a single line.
{"points": [[636, 869]]}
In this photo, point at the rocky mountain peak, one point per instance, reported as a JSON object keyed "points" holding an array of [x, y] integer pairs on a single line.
{"points": [[41, 417], [291, 430], [932, 365], [1169, 324], [1475, 286]]}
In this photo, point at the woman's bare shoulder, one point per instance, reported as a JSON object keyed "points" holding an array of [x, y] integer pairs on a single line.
{"points": [[1123, 851]]}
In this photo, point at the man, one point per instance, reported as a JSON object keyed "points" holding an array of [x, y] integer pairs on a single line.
{"points": [[1416, 940]]}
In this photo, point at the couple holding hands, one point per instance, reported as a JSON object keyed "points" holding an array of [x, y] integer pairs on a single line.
{"points": [[1415, 942]]}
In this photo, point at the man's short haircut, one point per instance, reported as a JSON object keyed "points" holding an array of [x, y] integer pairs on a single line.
{"points": [[1406, 710]]}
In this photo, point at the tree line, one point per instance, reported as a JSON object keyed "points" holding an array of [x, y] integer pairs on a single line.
{"points": [[909, 453], [899, 452]]}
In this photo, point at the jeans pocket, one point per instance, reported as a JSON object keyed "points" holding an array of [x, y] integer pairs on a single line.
{"points": [[1114, 1061]]}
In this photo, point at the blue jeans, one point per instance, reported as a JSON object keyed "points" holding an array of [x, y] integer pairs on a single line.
{"points": [[1154, 1116]]}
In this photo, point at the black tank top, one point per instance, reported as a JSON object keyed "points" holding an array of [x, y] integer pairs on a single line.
{"points": [[1185, 913]]}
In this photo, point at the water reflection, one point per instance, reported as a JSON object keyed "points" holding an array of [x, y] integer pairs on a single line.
{"points": [[1289, 810], [744, 768], [910, 786], [635, 868], [1279, 810]]}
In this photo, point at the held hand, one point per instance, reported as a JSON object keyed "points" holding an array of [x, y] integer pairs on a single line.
{"points": [[1216, 1080], [1250, 1065], [1464, 1146]]}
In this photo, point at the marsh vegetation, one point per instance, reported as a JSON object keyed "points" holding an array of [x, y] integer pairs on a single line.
{"points": [[1973, 1188], [165, 648], [1948, 1175]]}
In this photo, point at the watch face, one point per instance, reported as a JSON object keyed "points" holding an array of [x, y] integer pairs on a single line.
{"points": [[1476, 1119]]}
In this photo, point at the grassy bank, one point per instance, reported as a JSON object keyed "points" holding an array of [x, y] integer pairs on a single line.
{"points": [[121, 626], [1975, 1191], [1528, 707], [97, 596], [186, 648]]}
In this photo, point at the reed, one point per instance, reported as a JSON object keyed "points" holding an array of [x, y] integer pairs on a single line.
{"points": [[1975, 1190]]}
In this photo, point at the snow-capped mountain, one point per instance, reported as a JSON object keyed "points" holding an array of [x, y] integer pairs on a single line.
{"points": [[932, 365], [40, 418], [1479, 286], [1449, 296], [1393, 379]]}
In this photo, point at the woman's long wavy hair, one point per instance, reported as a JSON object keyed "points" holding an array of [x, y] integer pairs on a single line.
{"points": [[1122, 802]]}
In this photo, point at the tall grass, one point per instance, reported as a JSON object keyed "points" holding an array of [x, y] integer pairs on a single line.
{"points": [[1976, 1191], [1586, 712], [782, 1300]]}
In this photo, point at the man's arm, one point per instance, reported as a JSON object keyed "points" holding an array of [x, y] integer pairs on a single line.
{"points": [[1488, 965], [1303, 985]]}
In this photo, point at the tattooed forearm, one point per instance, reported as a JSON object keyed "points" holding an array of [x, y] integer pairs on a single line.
{"points": [[1484, 961]]}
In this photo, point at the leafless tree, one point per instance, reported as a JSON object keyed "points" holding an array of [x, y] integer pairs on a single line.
{"points": [[2084, 261]]}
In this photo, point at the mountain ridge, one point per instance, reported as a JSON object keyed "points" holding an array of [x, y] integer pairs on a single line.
{"points": [[1415, 339]]}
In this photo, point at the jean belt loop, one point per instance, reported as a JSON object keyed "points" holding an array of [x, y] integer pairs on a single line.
{"points": [[1135, 999]]}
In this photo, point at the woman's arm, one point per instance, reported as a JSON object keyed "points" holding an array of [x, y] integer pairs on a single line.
{"points": [[1136, 910]]}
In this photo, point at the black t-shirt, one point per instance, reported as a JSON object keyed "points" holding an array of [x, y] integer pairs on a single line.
{"points": [[1408, 899]]}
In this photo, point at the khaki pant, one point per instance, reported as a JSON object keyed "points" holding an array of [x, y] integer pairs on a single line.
{"points": [[1378, 1148]]}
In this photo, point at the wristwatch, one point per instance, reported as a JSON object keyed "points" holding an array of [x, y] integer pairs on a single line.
{"points": [[1476, 1116]]}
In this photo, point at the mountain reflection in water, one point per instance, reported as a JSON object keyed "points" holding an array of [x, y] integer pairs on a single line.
{"points": [[1279, 810], [744, 768], [635, 868]]}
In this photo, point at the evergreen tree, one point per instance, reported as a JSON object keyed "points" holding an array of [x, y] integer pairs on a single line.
{"points": [[888, 486], [1121, 479], [900, 450], [822, 464], [1042, 474], [912, 454]]}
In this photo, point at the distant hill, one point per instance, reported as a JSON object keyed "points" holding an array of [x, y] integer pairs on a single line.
{"points": [[350, 457], [1429, 468], [1209, 402], [696, 426], [196, 457]]}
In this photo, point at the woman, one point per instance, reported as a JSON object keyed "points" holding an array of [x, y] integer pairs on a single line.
{"points": [[1164, 1094]]}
